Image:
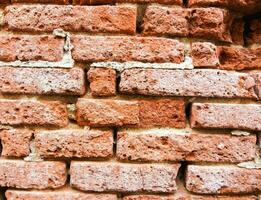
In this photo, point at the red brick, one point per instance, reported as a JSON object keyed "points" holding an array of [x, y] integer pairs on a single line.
{"points": [[16, 142], [26, 112], [196, 82], [67, 194], [41, 1], [4, 1], [249, 6], [222, 179], [210, 23], [123, 48], [92, 2], [102, 81], [166, 21], [38, 175], [222, 115], [107, 112], [237, 31], [30, 48], [254, 35], [240, 58], [123, 177], [99, 19], [149, 197], [161, 145], [204, 54], [257, 77], [162, 113], [74, 143], [42, 81]]}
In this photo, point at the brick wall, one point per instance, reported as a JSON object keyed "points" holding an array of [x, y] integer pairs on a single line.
{"points": [[130, 99]]}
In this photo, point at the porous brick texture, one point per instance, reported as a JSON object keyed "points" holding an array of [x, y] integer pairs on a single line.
{"points": [[130, 99]]}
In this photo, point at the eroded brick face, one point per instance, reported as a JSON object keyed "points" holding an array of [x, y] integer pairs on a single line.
{"points": [[130, 99]]}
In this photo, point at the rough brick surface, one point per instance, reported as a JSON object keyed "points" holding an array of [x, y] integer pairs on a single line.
{"points": [[42, 81], [237, 31], [16, 142], [123, 177], [121, 48], [162, 113], [166, 21], [26, 112], [74, 143], [93, 2], [197, 82], [95, 112], [110, 19], [222, 115], [41, 1], [65, 194], [174, 145], [254, 35], [28, 47], [222, 179], [240, 58], [204, 54], [102, 81], [38, 175]]}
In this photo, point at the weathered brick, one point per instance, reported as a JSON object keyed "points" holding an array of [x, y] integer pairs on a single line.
{"points": [[184, 145], [92, 2], [239, 58], [65, 194], [74, 143], [42, 81], [149, 197], [210, 23], [123, 48], [237, 31], [162, 113], [123, 177], [104, 19], [27, 112], [222, 115], [41, 1], [102, 81], [254, 34], [196, 82], [166, 21], [107, 112], [222, 179], [16, 142], [249, 6], [4, 1], [38, 175], [204, 54], [28, 47]]}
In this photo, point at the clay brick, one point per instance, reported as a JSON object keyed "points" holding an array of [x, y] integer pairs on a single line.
{"points": [[30, 48], [237, 31], [254, 34], [210, 23], [74, 143], [162, 113], [42, 81], [65, 194], [27, 112], [16, 142], [37, 175], [41, 1], [249, 6], [222, 179], [123, 177], [106, 112], [99, 19], [187, 196], [184, 145], [102, 81], [4, 1], [222, 115], [123, 48], [239, 58], [93, 2], [204, 54], [196, 82], [166, 21]]}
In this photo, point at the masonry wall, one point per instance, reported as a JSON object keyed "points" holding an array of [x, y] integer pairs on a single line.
{"points": [[130, 99]]}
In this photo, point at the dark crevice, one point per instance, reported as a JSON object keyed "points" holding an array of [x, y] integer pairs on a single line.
{"points": [[115, 130], [140, 15], [185, 3]]}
